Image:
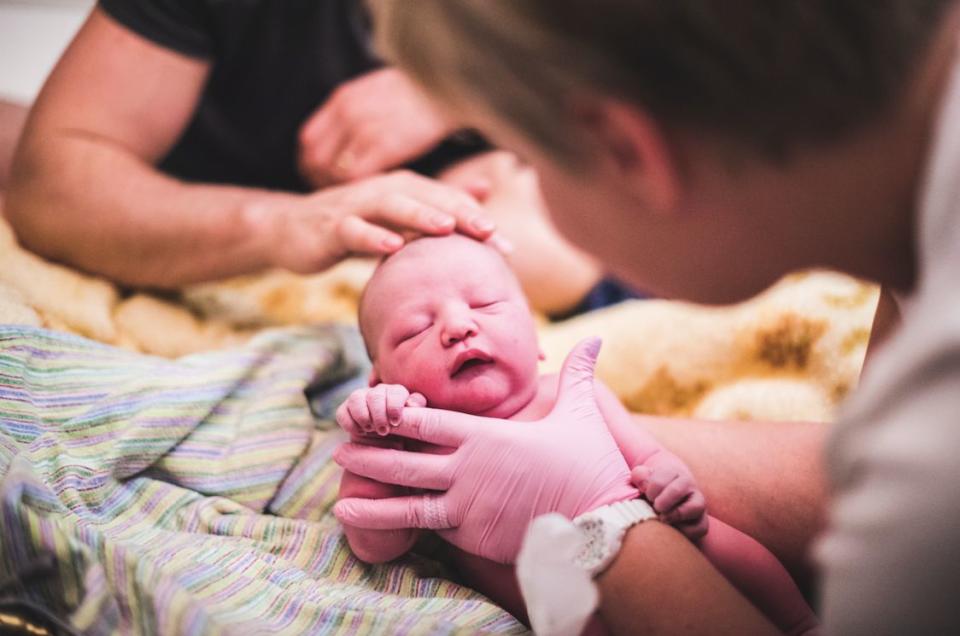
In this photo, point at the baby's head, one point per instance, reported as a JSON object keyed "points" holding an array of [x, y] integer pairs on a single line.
{"points": [[446, 317]]}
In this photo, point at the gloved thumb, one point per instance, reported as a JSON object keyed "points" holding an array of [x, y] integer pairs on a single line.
{"points": [[576, 392]]}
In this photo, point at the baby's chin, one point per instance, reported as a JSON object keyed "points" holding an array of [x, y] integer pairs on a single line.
{"points": [[480, 396]]}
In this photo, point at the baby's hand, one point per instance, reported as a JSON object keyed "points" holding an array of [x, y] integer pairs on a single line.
{"points": [[668, 485], [377, 409]]}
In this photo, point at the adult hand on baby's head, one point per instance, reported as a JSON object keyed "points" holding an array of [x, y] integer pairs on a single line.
{"points": [[669, 486], [502, 475], [376, 410], [307, 234]]}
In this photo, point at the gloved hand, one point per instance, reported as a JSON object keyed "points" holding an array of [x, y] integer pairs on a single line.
{"points": [[502, 475]]}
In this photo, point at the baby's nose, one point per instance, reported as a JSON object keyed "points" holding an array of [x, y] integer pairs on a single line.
{"points": [[457, 332]]}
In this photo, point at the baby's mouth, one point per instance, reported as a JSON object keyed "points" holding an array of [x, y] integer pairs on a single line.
{"points": [[468, 360]]}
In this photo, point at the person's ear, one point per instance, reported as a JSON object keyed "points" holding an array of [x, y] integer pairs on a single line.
{"points": [[631, 144], [541, 356], [374, 378]]}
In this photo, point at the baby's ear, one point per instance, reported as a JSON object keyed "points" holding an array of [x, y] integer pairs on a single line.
{"points": [[374, 378], [541, 356]]}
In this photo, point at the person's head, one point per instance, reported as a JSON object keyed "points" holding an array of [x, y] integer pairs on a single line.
{"points": [[446, 317], [668, 133]]}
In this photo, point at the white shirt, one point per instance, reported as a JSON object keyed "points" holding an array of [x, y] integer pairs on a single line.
{"points": [[891, 555]]}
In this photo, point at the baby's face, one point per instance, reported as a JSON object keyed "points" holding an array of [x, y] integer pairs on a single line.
{"points": [[445, 317]]}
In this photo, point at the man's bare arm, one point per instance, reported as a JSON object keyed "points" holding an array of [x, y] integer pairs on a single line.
{"points": [[661, 584], [85, 190]]}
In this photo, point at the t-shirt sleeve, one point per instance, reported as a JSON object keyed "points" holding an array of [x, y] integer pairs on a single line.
{"points": [[891, 558], [180, 25]]}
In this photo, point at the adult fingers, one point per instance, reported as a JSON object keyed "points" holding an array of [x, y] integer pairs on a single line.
{"points": [[443, 428], [395, 513], [372, 152], [479, 188], [321, 141], [576, 391], [469, 216], [358, 236], [400, 468], [409, 212]]}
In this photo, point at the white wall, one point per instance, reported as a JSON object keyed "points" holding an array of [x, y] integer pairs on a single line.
{"points": [[33, 33]]}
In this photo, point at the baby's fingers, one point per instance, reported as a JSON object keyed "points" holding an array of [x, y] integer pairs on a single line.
{"points": [[672, 495], [639, 476], [356, 408], [692, 509], [396, 399], [695, 530], [656, 483], [377, 405]]}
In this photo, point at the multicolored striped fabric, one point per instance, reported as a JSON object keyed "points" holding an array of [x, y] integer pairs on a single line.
{"points": [[193, 496]]}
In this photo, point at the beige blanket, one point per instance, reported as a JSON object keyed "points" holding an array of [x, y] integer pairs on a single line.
{"points": [[791, 353]]}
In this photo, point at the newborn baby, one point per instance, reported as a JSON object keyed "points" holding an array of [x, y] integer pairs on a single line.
{"points": [[446, 325]]}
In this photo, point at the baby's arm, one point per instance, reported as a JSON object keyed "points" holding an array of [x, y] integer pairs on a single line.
{"points": [[760, 577], [662, 478], [371, 410]]}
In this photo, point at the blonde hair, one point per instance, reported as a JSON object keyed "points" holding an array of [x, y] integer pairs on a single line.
{"points": [[765, 75]]}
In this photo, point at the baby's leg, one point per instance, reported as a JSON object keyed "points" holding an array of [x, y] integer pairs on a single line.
{"points": [[375, 546], [759, 576]]}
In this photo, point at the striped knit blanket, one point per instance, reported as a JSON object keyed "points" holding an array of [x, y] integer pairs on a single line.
{"points": [[193, 496]]}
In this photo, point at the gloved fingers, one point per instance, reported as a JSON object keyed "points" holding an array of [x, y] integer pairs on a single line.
{"points": [[394, 513], [443, 428], [416, 400], [688, 510], [577, 377], [377, 406], [357, 408], [400, 468], [673, 494], [396, 399]]}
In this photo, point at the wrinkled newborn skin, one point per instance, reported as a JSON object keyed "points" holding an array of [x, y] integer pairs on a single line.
{"points": [[447, 318]]}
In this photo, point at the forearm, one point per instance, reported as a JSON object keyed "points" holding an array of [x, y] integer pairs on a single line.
{"points": [[661, 584], [765, 479], [87, 202]]}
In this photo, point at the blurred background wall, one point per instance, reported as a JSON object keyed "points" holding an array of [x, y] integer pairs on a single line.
{"points": [[33, 33]]}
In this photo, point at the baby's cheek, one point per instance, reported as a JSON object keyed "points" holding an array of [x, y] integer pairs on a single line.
{"points": [[419, 376]]}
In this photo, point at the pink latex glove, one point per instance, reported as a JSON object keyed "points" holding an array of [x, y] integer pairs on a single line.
{"points": [[669, 486], [502, 475]]}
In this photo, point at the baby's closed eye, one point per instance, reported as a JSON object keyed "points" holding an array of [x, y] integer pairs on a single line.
{"points": [[413, 331], [485, 304]]}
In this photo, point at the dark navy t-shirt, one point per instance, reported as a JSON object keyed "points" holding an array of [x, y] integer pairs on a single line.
{"points": [[274, 62]]}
